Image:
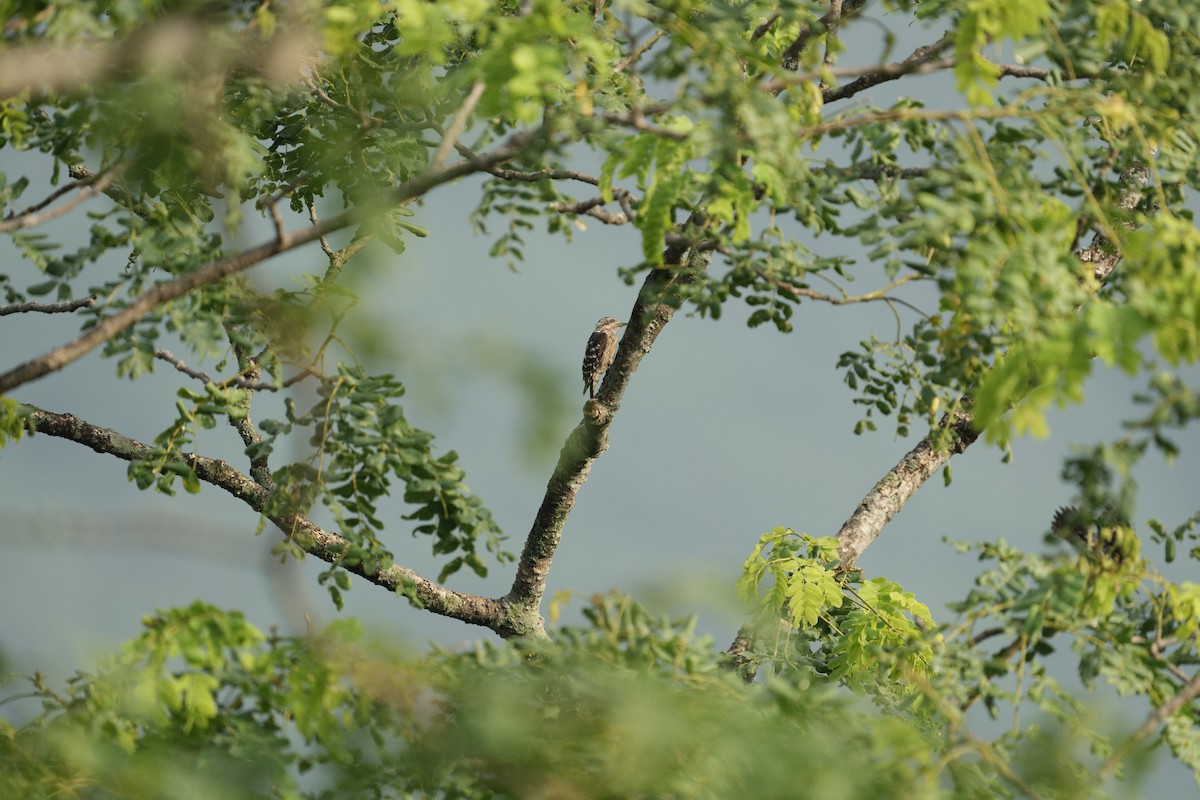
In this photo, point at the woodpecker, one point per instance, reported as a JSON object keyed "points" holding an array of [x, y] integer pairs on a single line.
{"points": [[601, 348]]}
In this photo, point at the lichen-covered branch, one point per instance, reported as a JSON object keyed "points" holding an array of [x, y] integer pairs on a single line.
{"points": [[656, 304]]}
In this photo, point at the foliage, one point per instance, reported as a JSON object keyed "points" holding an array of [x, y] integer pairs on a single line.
{"points": [[1032, 225], [632, 705]]}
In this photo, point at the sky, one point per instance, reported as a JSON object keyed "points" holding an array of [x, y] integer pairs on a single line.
{"points": [[724, 433]]}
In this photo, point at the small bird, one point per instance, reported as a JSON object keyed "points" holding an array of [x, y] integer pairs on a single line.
{"points": [[601, 349]]}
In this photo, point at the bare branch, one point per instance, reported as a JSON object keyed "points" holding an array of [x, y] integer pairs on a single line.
{"points": [[835, 17], [1021, 71], [213, 271], [325, 545], [537, 175], [325, 246], [921, 61], [625, 200], [177, 363], [337, 258], [64, 307]]}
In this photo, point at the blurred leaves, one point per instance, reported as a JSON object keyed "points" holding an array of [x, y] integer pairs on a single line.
{"points": [[629, 703]]}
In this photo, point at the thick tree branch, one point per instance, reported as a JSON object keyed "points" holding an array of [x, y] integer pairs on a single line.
{"points": [[901, 482], [655, 306], [878, 296], [217, 270], [325, 545]]}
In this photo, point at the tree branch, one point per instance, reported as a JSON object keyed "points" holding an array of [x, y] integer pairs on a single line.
{"points": [[791, 56], [457, 125], [239, 381], [897, 487], [222, 268], [30, 218], [653, 309], [923, 59], [1157, 717], [592, 208], [877, 296], [325, 545], [64, 307]]}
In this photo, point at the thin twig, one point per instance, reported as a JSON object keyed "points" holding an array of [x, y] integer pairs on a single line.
{"points": [[880, 295], [640, 51], [457, 125], [237, 381], [177, 363], [591, 207], [636, 119], [312, 216], [31, 219]]}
